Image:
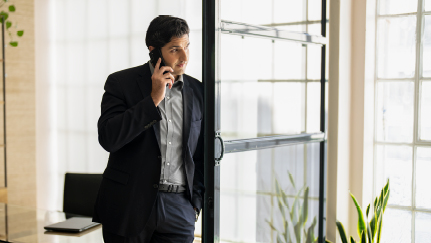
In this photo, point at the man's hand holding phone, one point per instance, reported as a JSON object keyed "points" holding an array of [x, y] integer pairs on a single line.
{"points": [[160, 81]]}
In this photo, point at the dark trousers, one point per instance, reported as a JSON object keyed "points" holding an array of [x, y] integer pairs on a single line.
{"points": [[172, 220]]}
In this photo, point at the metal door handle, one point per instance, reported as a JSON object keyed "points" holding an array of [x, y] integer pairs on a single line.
{"points": [[217, 160]]}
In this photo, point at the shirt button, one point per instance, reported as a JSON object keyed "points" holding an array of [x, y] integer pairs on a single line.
{"points": [[169, 142], [167, 163], [164, 181], [168, 97], [156, 186], [170, 120]]}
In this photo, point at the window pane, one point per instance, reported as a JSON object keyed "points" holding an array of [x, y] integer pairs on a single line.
{"points": [[397, 6], [315, 10], [425, 114], [422, 227], [313, 107], [248, 195], [394, 114], [423, 179], [286, 11], [314, 61], [395, 163], [397, 226], [289, 60], [245, 12], [252, 103], [396, 47], [427, 5], [426, 63]]}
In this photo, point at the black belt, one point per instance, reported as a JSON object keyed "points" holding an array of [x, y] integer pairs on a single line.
{"points": [[171, 188]]}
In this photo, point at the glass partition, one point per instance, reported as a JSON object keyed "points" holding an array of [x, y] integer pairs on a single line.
{"points": [[267, 194]]}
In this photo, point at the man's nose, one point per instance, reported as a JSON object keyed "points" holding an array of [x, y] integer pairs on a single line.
{"points": [[184, 56]]}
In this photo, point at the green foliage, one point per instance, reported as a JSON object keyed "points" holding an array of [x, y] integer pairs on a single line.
{"points": [[4, 15], [294, 217], [369, 232]]}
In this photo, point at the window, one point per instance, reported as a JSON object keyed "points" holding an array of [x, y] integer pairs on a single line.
{"points": [[402, 118]]}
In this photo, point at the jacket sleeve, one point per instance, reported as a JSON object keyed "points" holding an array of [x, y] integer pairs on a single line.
{"points": [[198, 179], [118, 124]]}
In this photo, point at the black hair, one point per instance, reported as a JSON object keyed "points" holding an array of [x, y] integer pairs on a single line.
{"points": [[163, 28]]}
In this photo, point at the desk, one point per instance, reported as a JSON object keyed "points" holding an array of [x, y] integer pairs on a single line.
{"points": [[20, 224], [25, 225]]}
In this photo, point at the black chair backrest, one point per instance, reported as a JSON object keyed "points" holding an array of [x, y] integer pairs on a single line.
{"points": [[80, 192]]}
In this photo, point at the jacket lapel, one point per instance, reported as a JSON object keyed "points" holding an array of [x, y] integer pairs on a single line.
{"points": [[187, 93], [145, 85]]}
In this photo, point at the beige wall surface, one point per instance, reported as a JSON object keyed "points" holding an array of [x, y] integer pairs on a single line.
{"points": [[20, 107]]}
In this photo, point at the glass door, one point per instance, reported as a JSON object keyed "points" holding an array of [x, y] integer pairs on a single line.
{"points": [[264, 81]]}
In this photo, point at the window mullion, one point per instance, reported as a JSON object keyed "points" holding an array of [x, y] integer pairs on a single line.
{"points": [[418, 75]]}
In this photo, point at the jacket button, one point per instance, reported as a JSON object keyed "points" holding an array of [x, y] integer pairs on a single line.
{"points": [[156, 186]]}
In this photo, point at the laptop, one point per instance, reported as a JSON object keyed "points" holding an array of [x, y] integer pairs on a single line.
{"points": [[74, 224]]}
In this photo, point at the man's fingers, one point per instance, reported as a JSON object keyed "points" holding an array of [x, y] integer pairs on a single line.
{"points": [[158, 64], [166, 68], [169, 79], [169, 75]]}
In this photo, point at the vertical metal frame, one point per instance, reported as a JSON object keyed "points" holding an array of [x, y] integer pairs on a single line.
{"points": [[322, 179], [208, 79], [4, 100]]}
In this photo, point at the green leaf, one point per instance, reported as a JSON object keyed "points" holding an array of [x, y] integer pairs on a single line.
{"points": [[352, 240], [8, 24], [361, 222], [291, 228], [341, 231], [298, 232], [385, 201], [373, 225], [13, 43], [379, 232], [11, 8], [291, 179], [368, 210], [4, 14], [279, 240], [369, 233], [20, 33], [386, 188], [294, 210], [363, 237], [304, 213], [271, 225], [310, 232]]}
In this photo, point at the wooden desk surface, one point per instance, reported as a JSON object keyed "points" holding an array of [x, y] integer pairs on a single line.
{"points": [[19, 224], [25, 225]]}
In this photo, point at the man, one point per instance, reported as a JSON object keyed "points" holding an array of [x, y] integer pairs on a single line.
{"points": [[151, 123]]}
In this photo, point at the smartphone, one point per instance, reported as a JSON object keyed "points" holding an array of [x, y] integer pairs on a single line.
{"points": [[155, 55]]}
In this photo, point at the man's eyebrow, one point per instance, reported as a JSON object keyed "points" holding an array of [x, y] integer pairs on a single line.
{"points": [[177, 46]]}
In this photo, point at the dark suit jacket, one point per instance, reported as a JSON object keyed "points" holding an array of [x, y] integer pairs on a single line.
{"points": [[130, 181]]}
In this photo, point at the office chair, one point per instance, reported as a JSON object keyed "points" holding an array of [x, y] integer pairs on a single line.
{"points": [[80, 192]]}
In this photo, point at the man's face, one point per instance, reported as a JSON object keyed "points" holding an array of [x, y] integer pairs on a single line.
{"points": [[176, 54]]}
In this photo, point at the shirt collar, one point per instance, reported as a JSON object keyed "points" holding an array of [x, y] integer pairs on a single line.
{"points": [[181, 79]]}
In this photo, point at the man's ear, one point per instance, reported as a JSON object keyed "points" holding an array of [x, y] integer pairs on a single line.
{"points": [[151, 48]]}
